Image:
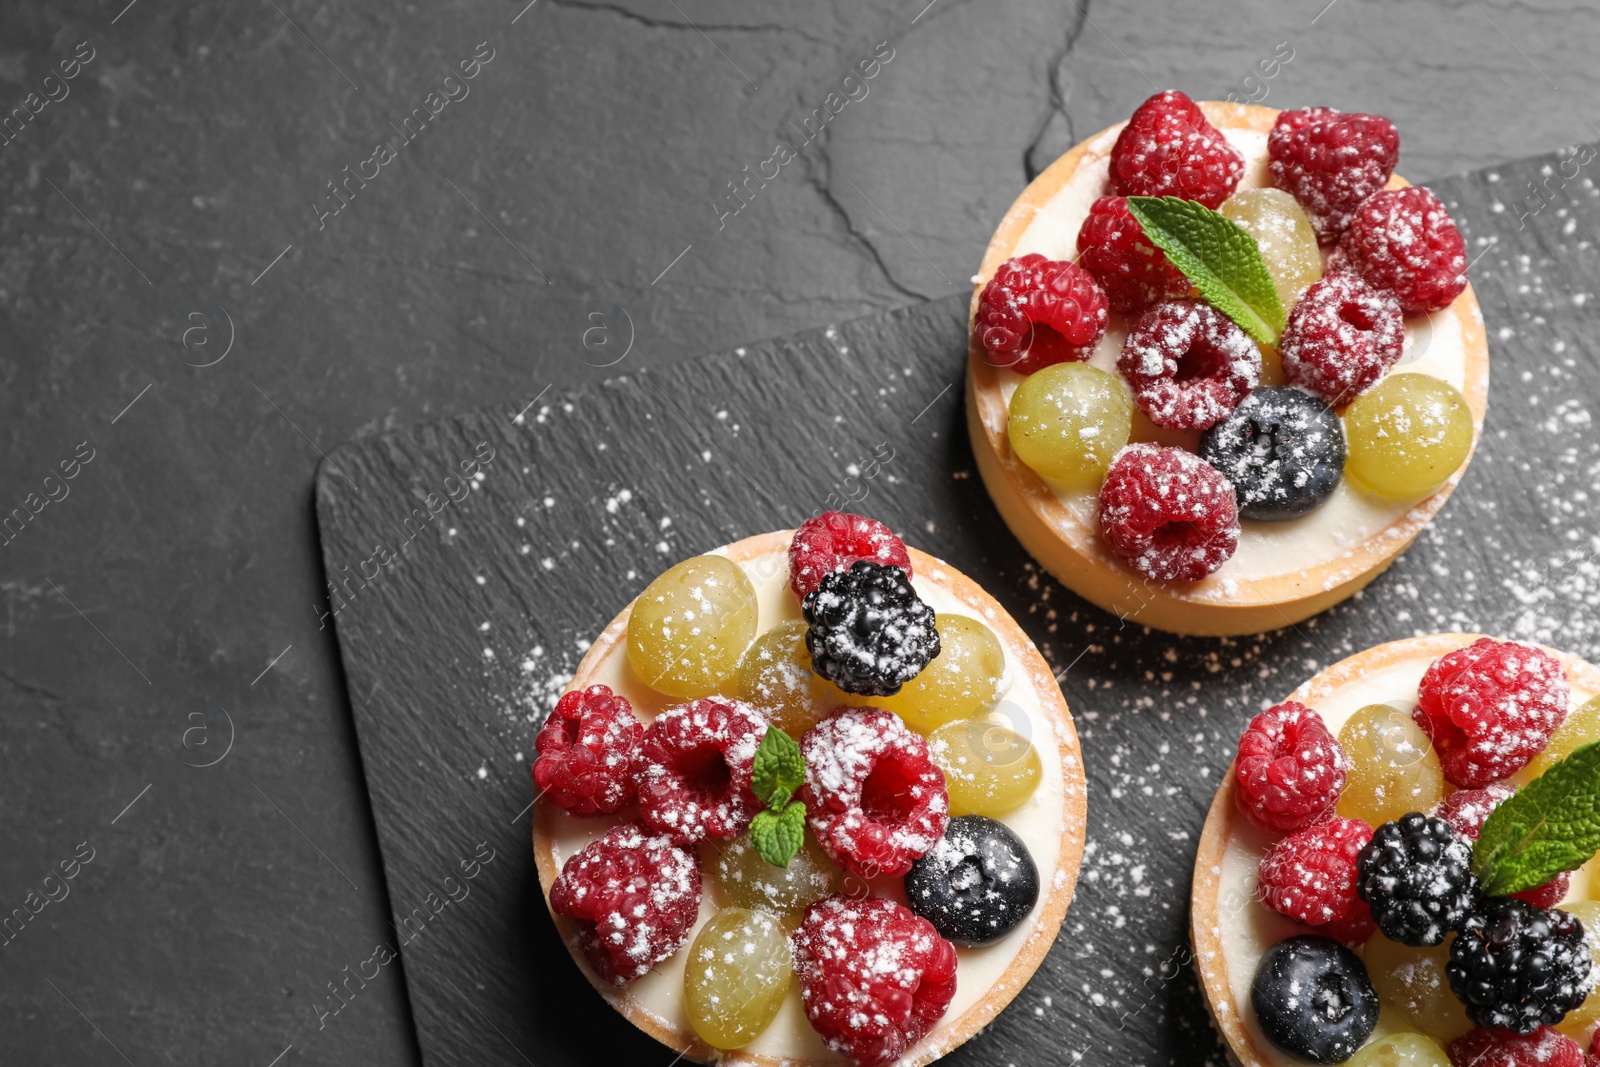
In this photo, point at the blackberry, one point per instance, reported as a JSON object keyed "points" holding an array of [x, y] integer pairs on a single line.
{"points": [[1416, 875], [1283, 450], [1519, 967], [867, 631]]}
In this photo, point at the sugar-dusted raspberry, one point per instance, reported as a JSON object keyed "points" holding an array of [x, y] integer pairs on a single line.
{"points": [[1466, 809], [1189, 364], [1290, 770], [874, 977], [635, 897], [1310, 876], [586, 749], [1404, 240], [874, 798], [1487, 1046], [693, 770], [1170, 148], [1489, 708], [1133, 272], [1036, 312], [834, 540], [1168, 513], [1341, 338], [1331, 161]]}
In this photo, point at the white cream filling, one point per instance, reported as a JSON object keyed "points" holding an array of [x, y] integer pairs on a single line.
{"points": [[1350, 517], [1038, 822], [1246, 929]]}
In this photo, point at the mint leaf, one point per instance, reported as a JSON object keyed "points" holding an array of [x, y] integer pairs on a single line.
{"points": [[1219, 256], [778, 835], [779, 769], [1550, 825]]}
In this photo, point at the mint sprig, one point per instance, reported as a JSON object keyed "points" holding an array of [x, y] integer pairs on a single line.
{"points": [[1219, 256], [778, 834], [1550, 825], [779, 769]]}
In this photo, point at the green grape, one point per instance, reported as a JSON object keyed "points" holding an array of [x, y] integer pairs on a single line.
{"points": [[1581, 727], [1393, 767], [689, 627], [736, 976], [1400, 1050], [1407, 436], [1068, 421], [1581, 1021], [1283, 230], [1413, 982], [748, 881], [963, 679], [988, 768], [776, 676]]}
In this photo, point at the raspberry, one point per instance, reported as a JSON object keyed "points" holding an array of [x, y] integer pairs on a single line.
{"points": [[1416, 875], [1168, 513], [1289, 770], [874, 977], [1331, 161], [1466, 809], [1310, 876], [1189, 364], [1488, 1047], [1133, 272], [1036, 312], [834, 540], [635, 897], [874, 798], [1170, 148], [867, 630], [693, 770], [1489, 708], [586, 749], [1404, 240], [1341, 338], [1519, 967]]}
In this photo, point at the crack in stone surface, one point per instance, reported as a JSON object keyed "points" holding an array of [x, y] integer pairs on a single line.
{"points": [[820, 182], [698, 27], [29, 689], [1031, 165]]}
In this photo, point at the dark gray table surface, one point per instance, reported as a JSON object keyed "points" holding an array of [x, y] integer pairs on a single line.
{"points": [[167, 203]]}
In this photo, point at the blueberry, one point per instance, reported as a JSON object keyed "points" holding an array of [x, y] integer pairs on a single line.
{"points": [[1313, 999], [1283, 450], [976, 884]]}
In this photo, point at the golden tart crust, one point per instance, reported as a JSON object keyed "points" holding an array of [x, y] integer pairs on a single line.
{"points": [[1073, 551], [1056, 886]]}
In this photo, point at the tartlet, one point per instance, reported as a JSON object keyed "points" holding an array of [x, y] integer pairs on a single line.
{"points": [[1051, 823], [1232, 928], [1281, 572]]}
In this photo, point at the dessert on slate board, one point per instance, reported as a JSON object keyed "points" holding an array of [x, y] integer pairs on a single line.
{"points": [[1224, 363], [813, 798], [1397, 870]]}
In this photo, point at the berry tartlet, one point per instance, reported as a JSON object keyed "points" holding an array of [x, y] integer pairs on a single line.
{"points": [[1224, 364], [1397, 869], [813, 798]]}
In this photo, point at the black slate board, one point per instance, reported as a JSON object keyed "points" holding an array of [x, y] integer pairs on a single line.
{"points": [[456, 647]]}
